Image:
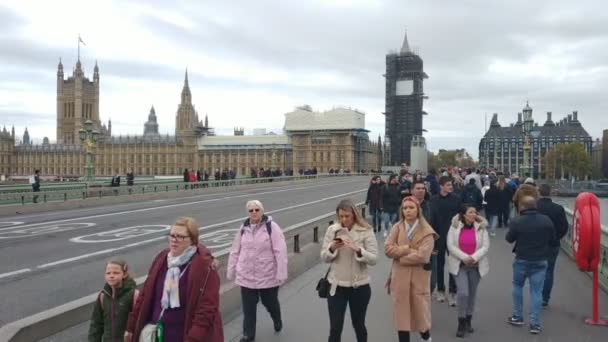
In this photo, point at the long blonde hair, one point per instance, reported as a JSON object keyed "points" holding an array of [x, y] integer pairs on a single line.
{"points": [[349, 205], [501, 183]]}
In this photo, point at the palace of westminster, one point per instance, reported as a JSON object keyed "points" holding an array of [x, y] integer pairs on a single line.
{"points": [[334, 139]]}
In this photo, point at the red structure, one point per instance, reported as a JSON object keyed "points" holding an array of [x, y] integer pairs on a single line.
{"points": [[586, 236]]}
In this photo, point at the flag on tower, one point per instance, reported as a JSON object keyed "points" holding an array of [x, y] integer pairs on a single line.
{"points": [[80, 40]]}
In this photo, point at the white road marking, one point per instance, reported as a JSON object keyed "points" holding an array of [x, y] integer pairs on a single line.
{"points": [[121, 234], [165, 206], [4, 275], [9, 224], [219, 238], [143, 242], [21, 232]]}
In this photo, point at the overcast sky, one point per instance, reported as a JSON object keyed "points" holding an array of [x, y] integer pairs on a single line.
{"points": [[250, 62]]}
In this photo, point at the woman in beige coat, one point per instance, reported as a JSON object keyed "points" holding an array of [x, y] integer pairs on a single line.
{"points": [[350, 246], [410, 245]]}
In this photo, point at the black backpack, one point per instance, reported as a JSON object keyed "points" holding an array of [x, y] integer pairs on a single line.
{"points": [[264, 218]]}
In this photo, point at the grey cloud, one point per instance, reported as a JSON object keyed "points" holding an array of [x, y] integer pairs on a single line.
{"points": [[9, 21], [14, 116], [457, 40]]}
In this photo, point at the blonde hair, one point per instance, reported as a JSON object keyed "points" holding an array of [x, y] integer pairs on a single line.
{"points": [[191, 226], [254, 203], [123, 266], [349, 205], [421, 220], [501, 183]]}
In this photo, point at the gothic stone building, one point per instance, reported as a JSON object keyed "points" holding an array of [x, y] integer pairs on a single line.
{"points": [[322, 140], [502, 148]]}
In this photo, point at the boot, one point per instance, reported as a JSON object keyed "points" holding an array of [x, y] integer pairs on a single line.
{"points": [[469, 328], [461, 327]]}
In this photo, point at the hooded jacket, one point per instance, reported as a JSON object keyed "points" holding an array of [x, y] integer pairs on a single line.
{"points": [[482, 243], [203, 321], [110, 314]]}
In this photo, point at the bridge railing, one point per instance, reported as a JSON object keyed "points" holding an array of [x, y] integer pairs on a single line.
{"points": [[603, 267], [303, 244], [83, 191]]}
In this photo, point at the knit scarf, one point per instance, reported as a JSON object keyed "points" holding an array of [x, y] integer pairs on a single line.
{"points": [[170, 298], [410, 229]]}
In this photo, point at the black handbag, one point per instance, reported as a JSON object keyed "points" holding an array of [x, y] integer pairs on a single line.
{"points": [[323, 285]]}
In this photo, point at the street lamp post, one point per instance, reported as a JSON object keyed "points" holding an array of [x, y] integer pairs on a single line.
{"points": [[89, 137]]}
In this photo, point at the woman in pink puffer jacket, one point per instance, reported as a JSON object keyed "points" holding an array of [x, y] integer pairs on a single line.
{"points": [[258, 264]]}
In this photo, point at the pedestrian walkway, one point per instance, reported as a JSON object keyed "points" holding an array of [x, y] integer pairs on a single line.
{"points": [[306, 318]]}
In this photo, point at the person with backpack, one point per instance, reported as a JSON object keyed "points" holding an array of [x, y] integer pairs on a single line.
{"points": [[472, 195], [258, 264], [115, 302]]}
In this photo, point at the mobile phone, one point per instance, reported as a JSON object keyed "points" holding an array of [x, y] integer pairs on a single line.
{"points": [[338, 240]]}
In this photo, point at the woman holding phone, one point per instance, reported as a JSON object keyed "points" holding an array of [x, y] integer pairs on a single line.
{"points": [[349, 246]]}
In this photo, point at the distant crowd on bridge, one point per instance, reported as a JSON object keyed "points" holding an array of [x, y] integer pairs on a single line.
{"points": [[424, 222]]}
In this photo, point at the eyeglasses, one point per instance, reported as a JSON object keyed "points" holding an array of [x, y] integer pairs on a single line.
{"points": [[252, 210], [177, 237]]}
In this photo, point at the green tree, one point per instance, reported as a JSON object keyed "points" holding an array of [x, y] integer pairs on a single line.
{"points": [[567, 160]]}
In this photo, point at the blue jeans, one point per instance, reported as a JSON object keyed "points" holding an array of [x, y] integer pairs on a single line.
{"points": [[548, 286], [388, 219], [375, 217], [493, 223], [535, 272]]}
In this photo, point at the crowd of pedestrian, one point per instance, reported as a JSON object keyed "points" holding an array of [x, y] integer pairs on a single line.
{"points": [[424, 223]]}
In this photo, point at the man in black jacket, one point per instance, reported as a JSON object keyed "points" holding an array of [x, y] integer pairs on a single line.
{"points": [[444, 206], [472, 195], [557, 214], [390, 201], [532, 233]]}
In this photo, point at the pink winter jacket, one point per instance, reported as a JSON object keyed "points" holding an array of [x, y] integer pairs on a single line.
{"points": [[254, 261]]}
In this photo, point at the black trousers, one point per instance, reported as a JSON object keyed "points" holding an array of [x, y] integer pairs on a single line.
{"points": [[441, 252], [357, 300], [503, 216], [249, 299]]}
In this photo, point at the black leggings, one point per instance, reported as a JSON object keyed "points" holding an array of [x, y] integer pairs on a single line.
{"points": [[404, 336]]}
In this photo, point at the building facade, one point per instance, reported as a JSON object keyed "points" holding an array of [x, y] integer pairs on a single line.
{"points": [[194, 145], [520, 147], [403, 102], [334, 139], [596, 159], [7, 151]]}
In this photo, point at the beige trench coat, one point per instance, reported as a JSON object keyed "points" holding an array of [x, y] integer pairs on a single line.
{"points": [[409, 283]]}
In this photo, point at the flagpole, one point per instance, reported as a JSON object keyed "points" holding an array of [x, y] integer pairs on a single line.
{"points": [[79, 47]]}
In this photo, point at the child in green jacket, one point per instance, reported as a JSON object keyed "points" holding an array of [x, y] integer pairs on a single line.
{"points": [[114, 304]]}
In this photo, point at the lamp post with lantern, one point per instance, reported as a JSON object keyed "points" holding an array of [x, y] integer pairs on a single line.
{"points": [[88, 137]]}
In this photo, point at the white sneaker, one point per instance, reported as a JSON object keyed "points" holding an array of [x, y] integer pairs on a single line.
{"points": [[452, 299], [429, 340], [440, 296]]}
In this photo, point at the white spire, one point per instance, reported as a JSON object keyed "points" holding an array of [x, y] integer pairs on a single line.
{"points": [[405, 48]]}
